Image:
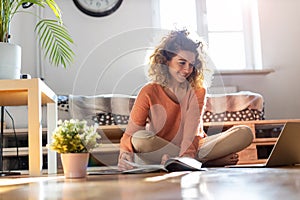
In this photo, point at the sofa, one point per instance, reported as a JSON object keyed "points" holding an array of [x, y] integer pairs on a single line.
{"points": [[111, 112], [114, 109]]}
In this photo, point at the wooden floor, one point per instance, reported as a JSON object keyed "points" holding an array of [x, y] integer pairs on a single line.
{"points": [[213, 184]]}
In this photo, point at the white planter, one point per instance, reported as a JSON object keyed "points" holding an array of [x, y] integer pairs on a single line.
{"points": [[10, 61], [75, 164]]}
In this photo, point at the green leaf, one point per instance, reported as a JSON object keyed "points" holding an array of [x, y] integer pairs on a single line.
{"points": [[53, 35], [55, 39]]}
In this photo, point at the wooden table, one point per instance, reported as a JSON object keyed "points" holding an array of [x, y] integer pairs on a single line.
{"points": [[34, 93]]}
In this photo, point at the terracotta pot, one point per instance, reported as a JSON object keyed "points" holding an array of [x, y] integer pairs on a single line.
{"points": [[75, 164], [10, 62]]}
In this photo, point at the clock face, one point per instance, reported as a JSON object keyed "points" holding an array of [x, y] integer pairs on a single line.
{"points": [[98, 8]]}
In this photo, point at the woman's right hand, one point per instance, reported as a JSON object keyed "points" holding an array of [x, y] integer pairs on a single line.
{"points": [[122, 164]]}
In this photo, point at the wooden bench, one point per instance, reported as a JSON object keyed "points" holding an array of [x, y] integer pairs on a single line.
{"points": [[265, 134]]}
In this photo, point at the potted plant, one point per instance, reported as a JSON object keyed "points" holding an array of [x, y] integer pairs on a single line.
{"points": [[53, 36], [74, 140]]}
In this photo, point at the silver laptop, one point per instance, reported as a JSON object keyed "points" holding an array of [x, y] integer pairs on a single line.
{"points": [[286, 151]]}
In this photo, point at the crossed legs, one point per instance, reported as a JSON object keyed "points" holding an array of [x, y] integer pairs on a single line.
{"points": [[221, 149], [215, 150]]}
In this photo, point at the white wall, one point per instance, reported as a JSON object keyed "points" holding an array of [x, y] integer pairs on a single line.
{"points": [[280, 30], [111, 51]]}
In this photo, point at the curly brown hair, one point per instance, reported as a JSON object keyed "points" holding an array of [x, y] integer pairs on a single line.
{"points": [[169, 47]]}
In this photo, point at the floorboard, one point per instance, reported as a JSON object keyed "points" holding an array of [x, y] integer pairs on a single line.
{"points": [[215, 183]]}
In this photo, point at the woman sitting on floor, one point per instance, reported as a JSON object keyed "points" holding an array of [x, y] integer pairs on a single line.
{"points": [[166, 119]]}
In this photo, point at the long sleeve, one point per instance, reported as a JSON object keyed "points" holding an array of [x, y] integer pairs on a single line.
{"points": [[137, 121], [154, 108], [192, 130]]}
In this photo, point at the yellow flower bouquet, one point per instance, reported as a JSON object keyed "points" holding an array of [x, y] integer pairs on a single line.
{"points": [[74, 136]]}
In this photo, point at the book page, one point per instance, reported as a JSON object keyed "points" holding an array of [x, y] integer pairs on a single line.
{"points": [[143, 168]]}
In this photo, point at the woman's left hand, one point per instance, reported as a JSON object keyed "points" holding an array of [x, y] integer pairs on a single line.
{"points": [[164, 158]]}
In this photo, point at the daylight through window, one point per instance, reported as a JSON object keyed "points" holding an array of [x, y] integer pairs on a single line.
{"points": [[230, 27]]}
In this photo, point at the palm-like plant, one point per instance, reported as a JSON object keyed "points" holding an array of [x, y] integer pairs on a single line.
{"points": [[53, 35]]}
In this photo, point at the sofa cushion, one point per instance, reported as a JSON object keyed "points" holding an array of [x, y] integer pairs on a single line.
{"points": [[238, 106], [89, 107]]}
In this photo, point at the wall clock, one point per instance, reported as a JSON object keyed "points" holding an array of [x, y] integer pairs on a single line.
{"points": [[98, 8]]}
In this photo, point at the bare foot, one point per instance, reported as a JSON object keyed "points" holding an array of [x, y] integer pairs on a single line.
{"points": [[230, 159]]}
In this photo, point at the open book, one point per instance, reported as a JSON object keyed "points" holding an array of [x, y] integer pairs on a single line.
{"points": [[171, 165]]}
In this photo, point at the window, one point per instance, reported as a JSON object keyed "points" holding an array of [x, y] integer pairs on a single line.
{"points": [[174, 15], [229, 26]]}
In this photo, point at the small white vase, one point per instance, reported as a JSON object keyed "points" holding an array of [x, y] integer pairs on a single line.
{"points": [[75, 164], [10, 62]]}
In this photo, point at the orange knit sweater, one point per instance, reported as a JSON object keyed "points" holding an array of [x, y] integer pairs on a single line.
{"points": [[180, 124]]}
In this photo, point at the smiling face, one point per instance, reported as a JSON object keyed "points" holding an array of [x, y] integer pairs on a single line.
{"points": [[181, 66]]}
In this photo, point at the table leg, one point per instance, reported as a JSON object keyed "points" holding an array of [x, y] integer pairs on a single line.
{"points": [[51, 125], [1, 138], [35, 131]]}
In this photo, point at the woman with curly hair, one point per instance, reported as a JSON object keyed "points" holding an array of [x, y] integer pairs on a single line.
{"points": [[166, 119]]}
